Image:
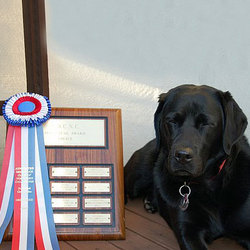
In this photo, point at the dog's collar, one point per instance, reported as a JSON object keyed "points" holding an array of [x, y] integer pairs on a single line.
{"points": [[222, 166], [220, 169]]}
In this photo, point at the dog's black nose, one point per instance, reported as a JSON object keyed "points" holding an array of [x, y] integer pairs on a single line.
{"points": [[184, 155]]}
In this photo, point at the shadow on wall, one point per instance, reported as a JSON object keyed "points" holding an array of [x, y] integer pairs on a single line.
{"points": [[78, 85]]}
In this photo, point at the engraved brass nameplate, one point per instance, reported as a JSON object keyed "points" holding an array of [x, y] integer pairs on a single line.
{"points": [[68, 172], [66, 218], [65, 202], [75, 132], [97, 203], [96, 187], [96, 218], [96, 172], [64, 187]]}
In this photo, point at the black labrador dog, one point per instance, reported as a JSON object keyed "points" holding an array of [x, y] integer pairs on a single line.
{"points": [[196, 172]]}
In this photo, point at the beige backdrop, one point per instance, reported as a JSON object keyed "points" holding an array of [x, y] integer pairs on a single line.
{"points": [[12, 60]]}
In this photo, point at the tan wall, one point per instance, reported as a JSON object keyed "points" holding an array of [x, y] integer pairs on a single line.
{"points": [[12, 63]]}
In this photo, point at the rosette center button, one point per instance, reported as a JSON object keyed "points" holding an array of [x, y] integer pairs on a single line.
{"points": [[26, 106]]}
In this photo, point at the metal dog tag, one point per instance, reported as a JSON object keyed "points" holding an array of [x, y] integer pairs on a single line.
{"points": [[184, 201]]}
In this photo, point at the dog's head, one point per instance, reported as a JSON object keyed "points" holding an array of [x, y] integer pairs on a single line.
{"points": [[195, 124]]}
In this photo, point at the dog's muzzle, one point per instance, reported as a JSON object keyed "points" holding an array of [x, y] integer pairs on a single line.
{"points": [[184, 163]]}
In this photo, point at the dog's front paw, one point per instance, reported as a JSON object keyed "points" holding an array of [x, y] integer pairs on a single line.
{"points": [[149, 207]]}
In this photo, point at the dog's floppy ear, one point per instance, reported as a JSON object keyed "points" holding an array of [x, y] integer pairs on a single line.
{"points": [[157, 117], [235, 122]]}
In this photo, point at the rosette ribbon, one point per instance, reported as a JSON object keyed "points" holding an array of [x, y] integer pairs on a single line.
{"points": [[24, 182]]}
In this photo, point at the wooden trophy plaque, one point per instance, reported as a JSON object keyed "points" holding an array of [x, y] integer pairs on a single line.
{"points": [[85, 166]]}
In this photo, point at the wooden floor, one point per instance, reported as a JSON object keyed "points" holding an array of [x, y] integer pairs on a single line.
{"points": [[143, 231]]}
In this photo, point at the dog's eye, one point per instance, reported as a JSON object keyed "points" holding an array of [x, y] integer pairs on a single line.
{"points": [[203, 121], [172, 122], [174, 119], [203, 124]]}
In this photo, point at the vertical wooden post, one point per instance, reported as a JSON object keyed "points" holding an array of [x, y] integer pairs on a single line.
{"points": [[35, 46]]}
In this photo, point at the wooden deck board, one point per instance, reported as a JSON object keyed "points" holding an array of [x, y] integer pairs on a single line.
{"points": [[136, 206], [143, 231], [92, 245], [153, 231], [136, 242]]}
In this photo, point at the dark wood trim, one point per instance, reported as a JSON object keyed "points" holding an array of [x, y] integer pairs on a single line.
{"points": [[35, 46], [1, 105]]}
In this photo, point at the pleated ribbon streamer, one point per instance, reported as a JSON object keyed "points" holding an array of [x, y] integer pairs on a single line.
{"points": [[24, 182]]}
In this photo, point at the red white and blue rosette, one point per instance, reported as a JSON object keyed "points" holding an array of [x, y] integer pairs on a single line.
{"points": [[26, 109], [24, 182]]}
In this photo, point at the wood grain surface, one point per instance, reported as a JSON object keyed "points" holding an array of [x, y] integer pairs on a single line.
{"points": [[113, 154]]}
